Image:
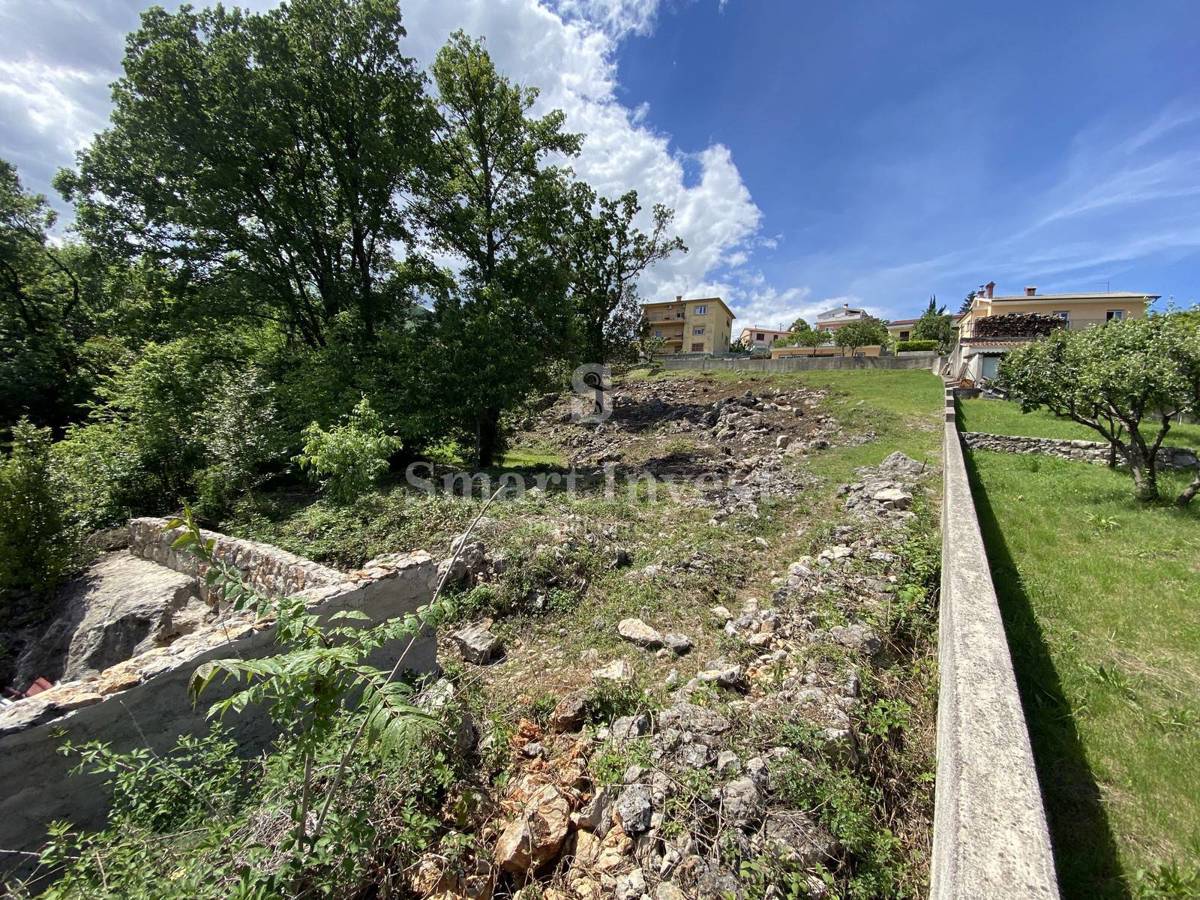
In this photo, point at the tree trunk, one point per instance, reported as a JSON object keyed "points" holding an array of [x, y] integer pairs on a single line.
{"points": [[487, 436], [1189, 492], [1145, 474]]}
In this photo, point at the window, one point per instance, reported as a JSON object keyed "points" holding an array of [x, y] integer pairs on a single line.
{"points": [[698, 348], [760, 337], [904, 335], [1062, 314], [698, 330], [1114, 315], [702, 310], [658, 332]]}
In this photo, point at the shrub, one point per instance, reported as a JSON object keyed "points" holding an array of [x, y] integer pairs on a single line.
{"points": [[101, 474], [903, 346], [240, 436], [37, 544], [351, 456]]}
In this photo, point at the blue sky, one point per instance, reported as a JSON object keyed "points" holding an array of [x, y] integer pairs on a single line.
{"points": [[864, 152], [907, 148]]}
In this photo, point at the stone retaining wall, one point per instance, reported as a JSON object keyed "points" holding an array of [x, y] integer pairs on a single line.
{"points": [[143, 701], [1085, 451], [989, 829], [266, 568]]}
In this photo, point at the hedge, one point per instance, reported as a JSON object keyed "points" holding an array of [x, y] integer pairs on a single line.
{"points": [[902, 346]]}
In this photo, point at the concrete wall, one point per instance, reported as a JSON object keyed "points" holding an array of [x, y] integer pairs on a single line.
{"points": [[798, 363], [1083, 451], [143, 701], [989, 830]]}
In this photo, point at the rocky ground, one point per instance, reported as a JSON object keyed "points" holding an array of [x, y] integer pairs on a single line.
{"points": [[764, 731]]}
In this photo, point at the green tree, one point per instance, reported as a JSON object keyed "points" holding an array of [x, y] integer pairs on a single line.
{"points": [[264, 152], [935, 324], [490, 198], [860, 333], [608, 255], [800, 326], [37, 542], [1126, 380], [43, 312]]}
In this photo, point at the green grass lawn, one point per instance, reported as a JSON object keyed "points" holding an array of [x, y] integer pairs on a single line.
{"points": [[1003, 417], [1101, 600]]}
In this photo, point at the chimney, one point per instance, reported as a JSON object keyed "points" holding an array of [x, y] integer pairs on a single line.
{"points": [[990, 287], [679, 298], [1030, 291]]}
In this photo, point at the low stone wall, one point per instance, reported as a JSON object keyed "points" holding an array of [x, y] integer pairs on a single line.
{"points": [[143, 701], [989, 829], [266, 568], [1084, 451], [800, 363]]}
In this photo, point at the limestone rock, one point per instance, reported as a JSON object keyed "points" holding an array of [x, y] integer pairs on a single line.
{"points": [[569, 713], [695, 719], [794, 836], [638, 632], [617, 670], [536, 835], [477, 643], [741, 803], [634, 809], [677, 643]]}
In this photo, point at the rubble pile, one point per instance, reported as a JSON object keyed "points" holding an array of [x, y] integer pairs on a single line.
{"points": [[670, 803]]}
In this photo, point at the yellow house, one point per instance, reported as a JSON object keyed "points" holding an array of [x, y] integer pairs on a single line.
{"points": [[704, 325], [978, 358]]}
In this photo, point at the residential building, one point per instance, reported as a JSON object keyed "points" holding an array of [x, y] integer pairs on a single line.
{"points": [[902, 329], [703, 325], [754, 337], [833, 319], [976, 357]]}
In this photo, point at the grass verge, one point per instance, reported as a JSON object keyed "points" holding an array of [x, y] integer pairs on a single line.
{"points": [[1098, 595]]}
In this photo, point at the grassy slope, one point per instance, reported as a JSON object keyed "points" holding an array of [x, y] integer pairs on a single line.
{"points": [[1099, 598], [1002, 417]]}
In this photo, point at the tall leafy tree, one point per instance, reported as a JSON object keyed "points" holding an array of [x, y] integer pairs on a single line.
{"points": [[935, 324], [608, 255], [43, 311], [491, 200], [270, 152]]}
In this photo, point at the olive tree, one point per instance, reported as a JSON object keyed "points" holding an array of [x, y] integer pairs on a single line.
{"points": [[860, 333], [1126, 381]]}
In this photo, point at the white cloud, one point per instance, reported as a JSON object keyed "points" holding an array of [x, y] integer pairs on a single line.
{"points": [[572, 62]]}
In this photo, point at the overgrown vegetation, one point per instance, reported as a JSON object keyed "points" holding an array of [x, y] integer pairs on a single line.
{"points": [[253, 257]]}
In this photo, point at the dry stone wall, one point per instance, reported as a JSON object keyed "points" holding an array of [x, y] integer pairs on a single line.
{"points": [[1085, 451], [143, 701]]}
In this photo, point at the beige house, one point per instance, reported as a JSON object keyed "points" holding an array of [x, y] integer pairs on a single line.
{"points": [[977, 359], [704, 325], [754, 337], [833, 319]]}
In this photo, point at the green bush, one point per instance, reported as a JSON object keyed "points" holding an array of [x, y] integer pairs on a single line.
{"points": [[101, 474], [351, 456], [38, 545], [902, 346], [240, 437]]}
